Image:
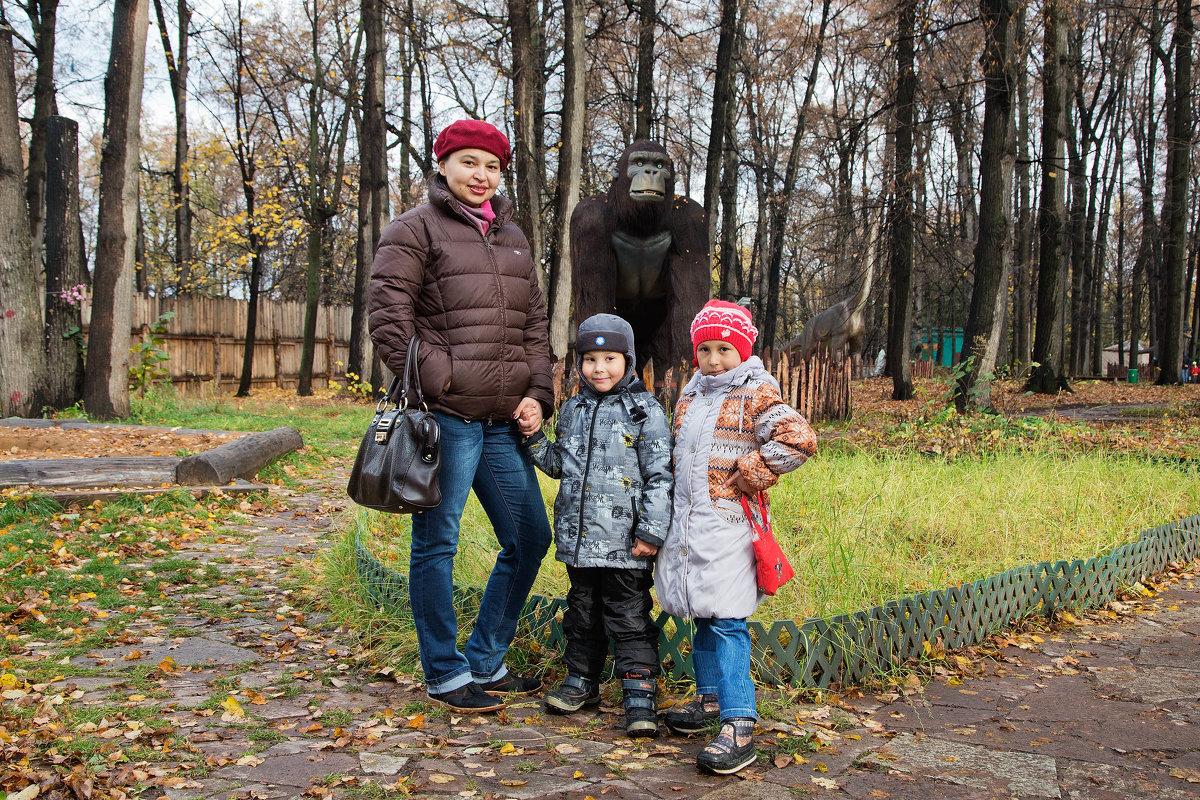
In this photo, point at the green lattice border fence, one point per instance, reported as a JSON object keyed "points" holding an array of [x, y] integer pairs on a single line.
{"points": [[849, 647]]}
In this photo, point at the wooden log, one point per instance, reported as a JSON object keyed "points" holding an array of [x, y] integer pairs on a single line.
{"points": [[240, 458], [65, 473]]}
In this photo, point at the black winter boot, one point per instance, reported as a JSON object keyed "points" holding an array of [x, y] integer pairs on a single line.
{"points": [[641, 710], [732, 750], [695, 716], [575, 692]]}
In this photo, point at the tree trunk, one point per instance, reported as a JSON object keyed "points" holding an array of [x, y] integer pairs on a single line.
{"points": [[177, 72], [570, 161], [1047, 377], [312, 283], [1077, 141], [1023, 252], [22, 343], [64, 278], [106, 379], [643, 110], [900, 290], [731, 271], [993, 251], [528, 54], [43, 17], [781, 200], [374, 204], [1175, 206], [721, 109]]}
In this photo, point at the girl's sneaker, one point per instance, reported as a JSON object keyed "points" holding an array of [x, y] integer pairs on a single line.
{"points": [[693, 717], [723, 755], [575, 692]]}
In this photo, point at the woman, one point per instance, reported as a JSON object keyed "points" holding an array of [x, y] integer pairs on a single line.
{"points": [[457, 272]]}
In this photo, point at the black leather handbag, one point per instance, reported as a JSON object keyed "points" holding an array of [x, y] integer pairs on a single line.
{"points": [[400, 456]]}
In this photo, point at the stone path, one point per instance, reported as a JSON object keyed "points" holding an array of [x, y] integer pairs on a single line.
{"points": [[1092, 711]]}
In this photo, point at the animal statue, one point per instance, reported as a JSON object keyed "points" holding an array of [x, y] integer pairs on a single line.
{"points": [[641, 252], [840, 329]]}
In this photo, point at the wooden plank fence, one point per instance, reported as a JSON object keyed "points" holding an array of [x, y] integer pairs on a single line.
{"points": [[816, 387], [206, 339]]}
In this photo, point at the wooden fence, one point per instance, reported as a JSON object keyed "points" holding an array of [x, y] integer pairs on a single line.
{"points": [[816, 387], [205, 341]]}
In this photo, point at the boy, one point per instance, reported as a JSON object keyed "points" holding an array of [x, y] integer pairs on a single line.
{"points": [[612, 451]]}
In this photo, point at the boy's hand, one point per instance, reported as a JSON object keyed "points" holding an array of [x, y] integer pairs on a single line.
{"points": [[528, 416], [736, 480], [641, 548]]}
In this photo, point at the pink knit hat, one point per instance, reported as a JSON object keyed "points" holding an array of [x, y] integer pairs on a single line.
{"points": [[727, 322], [472, 133]]}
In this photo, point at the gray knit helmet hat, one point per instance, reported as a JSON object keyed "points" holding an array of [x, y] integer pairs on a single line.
{"points": [[605, 332]]}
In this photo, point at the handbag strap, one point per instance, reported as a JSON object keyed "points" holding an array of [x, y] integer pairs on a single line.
{"points": [[760, 525], [398, 389], [412, 375]]}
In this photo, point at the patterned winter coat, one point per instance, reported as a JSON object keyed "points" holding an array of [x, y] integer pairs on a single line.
{"points": [[612, 452], [733, 421]]}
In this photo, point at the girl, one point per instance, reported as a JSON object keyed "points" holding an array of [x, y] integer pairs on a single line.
{"points": [[734, 435]]}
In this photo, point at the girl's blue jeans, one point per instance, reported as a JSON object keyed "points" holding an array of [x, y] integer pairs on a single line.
{"points": [[488, 458], [721, 657]]}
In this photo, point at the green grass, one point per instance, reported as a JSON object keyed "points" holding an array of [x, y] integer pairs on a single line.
{"points": [[859, 530]]}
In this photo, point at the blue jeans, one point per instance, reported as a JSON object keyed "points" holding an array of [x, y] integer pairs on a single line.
{"points": [[721, 657], [487, 458]]}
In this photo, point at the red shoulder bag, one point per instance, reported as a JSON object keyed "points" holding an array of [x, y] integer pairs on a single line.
{"points": [[771, 565]]}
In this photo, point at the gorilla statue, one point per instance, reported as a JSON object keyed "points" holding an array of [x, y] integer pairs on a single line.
{"points": [[641, 252]]}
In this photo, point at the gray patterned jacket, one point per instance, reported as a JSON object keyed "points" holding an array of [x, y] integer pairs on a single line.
{"points": [[612, 453]]}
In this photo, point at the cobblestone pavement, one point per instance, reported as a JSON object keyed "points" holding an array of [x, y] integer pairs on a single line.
{"points": [[1099, 708]]}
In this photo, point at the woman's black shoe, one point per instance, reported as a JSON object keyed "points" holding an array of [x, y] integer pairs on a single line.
{"points": [[574, 693], [468, 699], [512, 683]]}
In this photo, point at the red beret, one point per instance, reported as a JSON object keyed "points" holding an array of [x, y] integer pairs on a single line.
{"points": [[472, 133]]}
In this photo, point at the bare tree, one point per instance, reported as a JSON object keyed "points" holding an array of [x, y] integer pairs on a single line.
{"points": [[106, 380], [43, 18], [22, 348], [1048, 376], [529, 102], [1175, 205], [177, 72], [373, 186], [722, 102], [900, 290], [64, 265], [570, 161], [993, 251]]}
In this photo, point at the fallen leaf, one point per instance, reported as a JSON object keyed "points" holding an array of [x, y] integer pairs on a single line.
{"points": [[512, 782], [438, 777], [578, 775], [28, 793], [232, 706], [1186, 774], [249, 761], [782, 760]]}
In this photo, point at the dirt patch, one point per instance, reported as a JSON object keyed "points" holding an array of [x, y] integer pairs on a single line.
{"points": [[36, 443]]}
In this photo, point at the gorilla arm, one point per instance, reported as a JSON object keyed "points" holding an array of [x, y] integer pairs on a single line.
{"points": [[593, 262], [689, 272]]}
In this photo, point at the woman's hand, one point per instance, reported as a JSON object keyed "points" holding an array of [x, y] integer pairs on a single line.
{"points": [[641, 548], [528, 416], [736, 480]]}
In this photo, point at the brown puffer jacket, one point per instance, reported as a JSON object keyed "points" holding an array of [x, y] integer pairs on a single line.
{"points": [[473, 299]]}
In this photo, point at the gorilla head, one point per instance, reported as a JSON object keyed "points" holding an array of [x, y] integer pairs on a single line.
{"points": [[643, 187]]}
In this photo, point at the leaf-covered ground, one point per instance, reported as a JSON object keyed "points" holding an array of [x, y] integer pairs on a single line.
{"points": [[176, 648]]}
